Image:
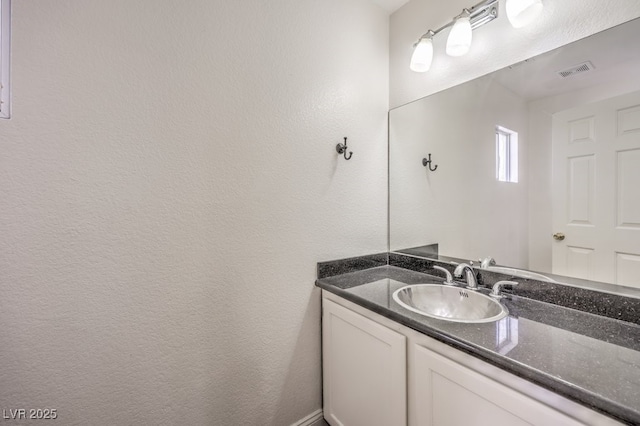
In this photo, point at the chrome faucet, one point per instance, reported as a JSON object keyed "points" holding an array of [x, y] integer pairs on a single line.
{"points": [[486, 262], [448, 277], [497, 288], [463, 268]]}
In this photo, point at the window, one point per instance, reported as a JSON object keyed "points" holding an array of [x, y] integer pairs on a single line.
{"points": [[5, 22], [506, 155]]}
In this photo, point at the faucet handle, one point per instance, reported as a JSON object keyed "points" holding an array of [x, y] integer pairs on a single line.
{"points": [[486, 262], [497, 288], [449, 277]]}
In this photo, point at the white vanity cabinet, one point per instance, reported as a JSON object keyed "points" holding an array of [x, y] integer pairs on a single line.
{"points": [[364, 370], [379, 372], [444, 392]]}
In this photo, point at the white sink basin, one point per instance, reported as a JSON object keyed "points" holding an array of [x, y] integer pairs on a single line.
{"points": [[450, 303]]}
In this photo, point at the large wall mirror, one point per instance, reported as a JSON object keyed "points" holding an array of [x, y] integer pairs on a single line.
{"points": [[538, 166]]}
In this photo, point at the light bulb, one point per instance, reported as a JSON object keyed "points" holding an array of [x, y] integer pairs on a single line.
{"points": [[422, 55], [459, 40], [523, 12]]}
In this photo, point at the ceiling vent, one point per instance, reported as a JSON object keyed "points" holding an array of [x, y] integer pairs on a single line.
{"points": [[576, 69]]}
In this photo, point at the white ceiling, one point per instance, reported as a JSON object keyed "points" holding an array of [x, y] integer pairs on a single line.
{"points": [[615, 53], [390, 5]]}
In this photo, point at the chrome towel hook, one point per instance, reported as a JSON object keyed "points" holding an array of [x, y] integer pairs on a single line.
{"points": [[342, 149], [426, 163]]}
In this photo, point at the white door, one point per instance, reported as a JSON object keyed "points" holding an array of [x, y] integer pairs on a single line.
{"points": [[364, 370], [596, 191]]}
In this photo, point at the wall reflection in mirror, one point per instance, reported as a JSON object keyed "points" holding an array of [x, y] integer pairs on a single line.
{"points": [[538, 165]]}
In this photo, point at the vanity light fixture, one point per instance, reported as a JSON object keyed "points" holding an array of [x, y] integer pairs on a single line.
{"points": [[422, 53], [523, 12], [459, 40], [519, 12]]}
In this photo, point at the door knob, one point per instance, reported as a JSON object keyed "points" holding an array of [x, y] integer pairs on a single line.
{"points": [[558, 236]]}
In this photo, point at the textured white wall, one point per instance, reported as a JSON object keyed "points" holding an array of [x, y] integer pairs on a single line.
{"points": [[495, 45], [168, 182]]}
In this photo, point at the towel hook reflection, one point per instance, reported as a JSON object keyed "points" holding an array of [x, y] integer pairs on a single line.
{"points": [[427, 162]]}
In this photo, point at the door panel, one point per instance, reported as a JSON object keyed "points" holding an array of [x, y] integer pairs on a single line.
{"points": [[628, 202], [627, 269], [580, 261], [629, 120], [582, 130], [580, 194]]}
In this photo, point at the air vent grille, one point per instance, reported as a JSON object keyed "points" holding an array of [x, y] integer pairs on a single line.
{"points": [[577, 69]]}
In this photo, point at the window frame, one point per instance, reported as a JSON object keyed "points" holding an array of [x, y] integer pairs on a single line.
{"points": [[510, 155], [5, 56]]}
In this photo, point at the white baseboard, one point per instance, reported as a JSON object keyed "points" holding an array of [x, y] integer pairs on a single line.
{"points": [[311, 419]]}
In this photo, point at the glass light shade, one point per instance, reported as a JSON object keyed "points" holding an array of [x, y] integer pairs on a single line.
{"points": [[422, 56], [459, 40], [523, 12]]}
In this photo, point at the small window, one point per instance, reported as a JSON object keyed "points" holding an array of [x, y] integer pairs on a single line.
{"points": [[5, 36], [506, 155]]}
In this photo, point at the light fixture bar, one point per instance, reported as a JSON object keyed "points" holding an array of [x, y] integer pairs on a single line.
{"points": [[519, 12], [480, 14]]}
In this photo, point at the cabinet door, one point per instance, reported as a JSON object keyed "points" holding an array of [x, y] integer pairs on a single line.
{"points": [[445, 393], [364, 374]]}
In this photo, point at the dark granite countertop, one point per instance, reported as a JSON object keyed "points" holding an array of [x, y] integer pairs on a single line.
{"points": [[590, 359]]}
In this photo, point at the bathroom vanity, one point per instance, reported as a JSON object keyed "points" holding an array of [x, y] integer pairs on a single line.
{"points": [[543, 364]]}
